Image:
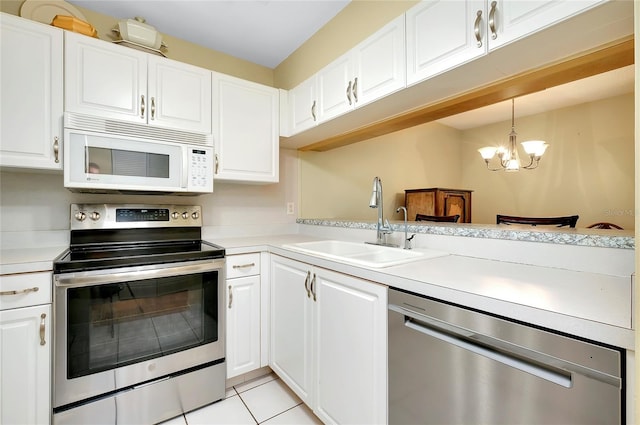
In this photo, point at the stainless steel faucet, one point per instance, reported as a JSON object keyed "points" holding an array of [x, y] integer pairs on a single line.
{"points": [[383, 227], [407, 240]]}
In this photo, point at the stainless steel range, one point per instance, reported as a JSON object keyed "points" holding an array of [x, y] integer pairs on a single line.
{"points": [[139, 320]]}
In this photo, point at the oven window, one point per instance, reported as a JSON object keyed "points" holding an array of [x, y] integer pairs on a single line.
{"points": [[118, 324]]}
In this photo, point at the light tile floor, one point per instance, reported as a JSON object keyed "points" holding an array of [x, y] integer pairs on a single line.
{"points": [[264, 400]]}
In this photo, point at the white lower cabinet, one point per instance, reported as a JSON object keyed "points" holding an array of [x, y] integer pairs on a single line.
{"points": [[25, 349], [243, 314], [329, 341]]}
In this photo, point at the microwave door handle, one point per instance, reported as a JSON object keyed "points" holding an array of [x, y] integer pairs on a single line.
{"points": [[86, 157], [185, 168]]}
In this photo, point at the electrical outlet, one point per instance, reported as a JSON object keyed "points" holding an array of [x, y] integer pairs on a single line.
{"points": [[290, 208]]}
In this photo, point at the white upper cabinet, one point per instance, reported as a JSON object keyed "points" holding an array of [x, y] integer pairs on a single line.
{"points": [[303, 106], [379, 63], [31, 82], [245, 130], [513, 19], [369, 71], [115, 82], [442, 34], [335, 91]]}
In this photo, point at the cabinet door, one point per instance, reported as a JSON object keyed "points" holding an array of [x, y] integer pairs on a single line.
{"points": [[291, 348], [515, 19], [351, 349], [335, 88], [26, 365], [31, 78], [105, 79], [380, 63], [441, 35], [303, 106], [243, 325], [245, 126], [179, 95]]}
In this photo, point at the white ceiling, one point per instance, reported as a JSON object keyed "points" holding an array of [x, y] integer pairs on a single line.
{"points": [[265, 32], [601, 86]]}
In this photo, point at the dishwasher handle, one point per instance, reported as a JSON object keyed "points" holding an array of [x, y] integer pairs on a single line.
{"points": [[421, 324]]}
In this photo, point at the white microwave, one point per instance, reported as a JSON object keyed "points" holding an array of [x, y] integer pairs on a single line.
{"points": [[106, 163]]}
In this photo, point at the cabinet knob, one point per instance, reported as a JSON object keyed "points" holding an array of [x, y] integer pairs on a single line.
{"points": [[349, 92]]}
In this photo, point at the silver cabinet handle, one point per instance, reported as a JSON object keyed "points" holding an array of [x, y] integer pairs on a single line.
{"points": [[313, 289], [243, 266], [492, 20], [22, 291], [349, 92], [306, 284], [42, 328], [56, 150], [142, 106], [355, 90], [230, 296], [217, 165], [153, 107], [476, 28], [313, 110]]}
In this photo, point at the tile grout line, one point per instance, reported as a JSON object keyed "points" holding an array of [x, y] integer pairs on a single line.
{"points": [[259, 385], [247, 407], [284, 411]]}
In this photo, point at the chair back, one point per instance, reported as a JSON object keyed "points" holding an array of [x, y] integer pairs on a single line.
{"points": [[534, 221], [438, 218], [604, 225]]}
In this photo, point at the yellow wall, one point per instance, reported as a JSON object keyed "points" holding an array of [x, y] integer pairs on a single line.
{"points": [[338, 183], [358, 20], [178, 49], [587, 170]]}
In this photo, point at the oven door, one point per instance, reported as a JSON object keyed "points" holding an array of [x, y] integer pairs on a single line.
{"points": [[118, 328]]}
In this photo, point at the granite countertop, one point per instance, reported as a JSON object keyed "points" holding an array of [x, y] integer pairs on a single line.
{"points": [[608, 238]]}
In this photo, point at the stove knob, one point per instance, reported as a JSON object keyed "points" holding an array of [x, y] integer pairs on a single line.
{"points": [[80, 216], [185, 215], [195, 215], [175, 215], [95, 216]]}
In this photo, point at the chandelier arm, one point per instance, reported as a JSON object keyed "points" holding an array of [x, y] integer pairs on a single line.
{"points": [[533, 165]]}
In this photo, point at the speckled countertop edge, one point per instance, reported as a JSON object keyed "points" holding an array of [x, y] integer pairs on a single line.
{"points": [[580, 237]]}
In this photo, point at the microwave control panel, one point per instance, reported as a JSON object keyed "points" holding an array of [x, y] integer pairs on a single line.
{"points": [[200, 173]]}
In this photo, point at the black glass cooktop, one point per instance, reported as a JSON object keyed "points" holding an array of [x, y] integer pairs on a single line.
{"points": [[104, 256]]}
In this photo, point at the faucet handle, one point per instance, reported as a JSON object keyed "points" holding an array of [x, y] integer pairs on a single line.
{"points": [[407, 242]]}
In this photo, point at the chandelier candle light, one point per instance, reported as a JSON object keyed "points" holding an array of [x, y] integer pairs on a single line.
{"points": [[509, 158]]}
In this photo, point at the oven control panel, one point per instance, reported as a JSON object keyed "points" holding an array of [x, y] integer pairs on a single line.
{"points": [[116, 216]]}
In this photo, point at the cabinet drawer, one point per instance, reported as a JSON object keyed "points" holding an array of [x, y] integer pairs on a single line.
{"points": [[24, 285], [243, 265]]}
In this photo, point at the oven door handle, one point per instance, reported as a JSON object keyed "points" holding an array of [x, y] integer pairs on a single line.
{"points": [[103, 277]]}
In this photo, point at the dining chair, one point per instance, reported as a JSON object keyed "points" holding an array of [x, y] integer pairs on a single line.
{"points": [[438, 218], [534, 221], [604, 225]]}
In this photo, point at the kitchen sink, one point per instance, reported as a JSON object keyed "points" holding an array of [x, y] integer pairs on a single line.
{"points": [[363, 254]]}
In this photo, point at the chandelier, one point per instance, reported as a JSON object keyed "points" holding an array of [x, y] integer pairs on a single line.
{"points": [[508, 156]]}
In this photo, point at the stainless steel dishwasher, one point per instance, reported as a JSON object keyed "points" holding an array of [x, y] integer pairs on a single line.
{"points": [[451, 365]]}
